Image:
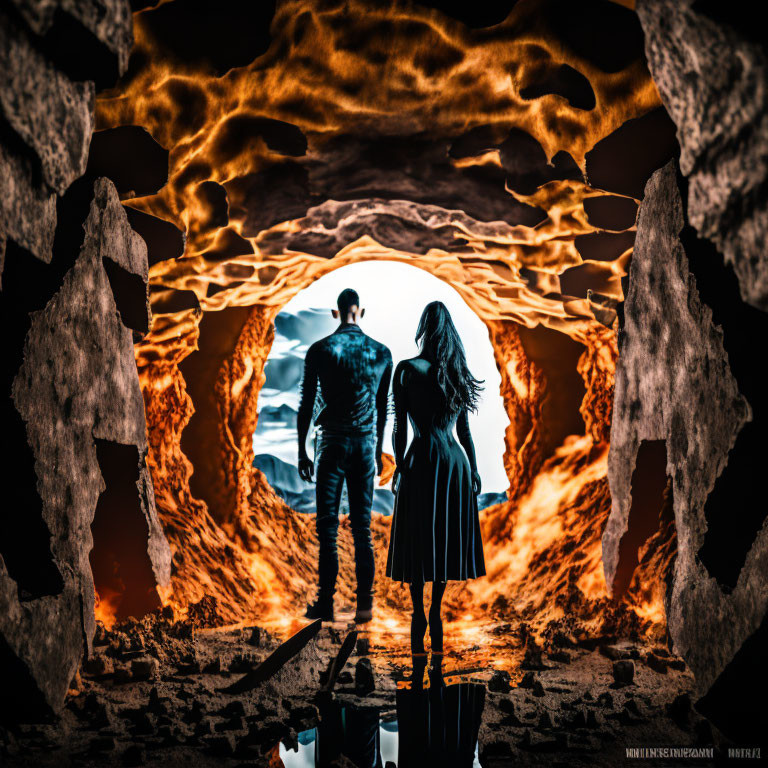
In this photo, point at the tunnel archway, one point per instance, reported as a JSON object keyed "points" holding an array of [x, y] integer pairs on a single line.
{"points": [[227, 534], [393, 295]]}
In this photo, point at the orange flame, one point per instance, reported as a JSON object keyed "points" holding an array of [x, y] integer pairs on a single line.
{"points": [[234, 539], [105, 607]]}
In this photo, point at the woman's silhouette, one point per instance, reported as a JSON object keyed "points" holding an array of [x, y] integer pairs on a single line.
{"points": [[435, 529]]}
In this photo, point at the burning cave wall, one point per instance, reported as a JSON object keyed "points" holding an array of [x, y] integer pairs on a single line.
{"points": [[690, 351], [73, 298]]}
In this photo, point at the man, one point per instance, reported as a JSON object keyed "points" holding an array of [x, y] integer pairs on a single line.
{"points": [[353, 371]]}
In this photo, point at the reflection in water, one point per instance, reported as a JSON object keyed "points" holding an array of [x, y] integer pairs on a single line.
{"points": [[437, 725]]}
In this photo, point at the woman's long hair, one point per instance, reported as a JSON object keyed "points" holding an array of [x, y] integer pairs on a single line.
{"points": [[440, 343]]}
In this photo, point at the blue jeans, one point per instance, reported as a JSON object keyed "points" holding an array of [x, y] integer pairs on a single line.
{"points": [[350, 458]]}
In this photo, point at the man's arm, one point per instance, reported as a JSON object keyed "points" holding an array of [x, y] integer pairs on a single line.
{"points": [[306, 409], [382, 399]]}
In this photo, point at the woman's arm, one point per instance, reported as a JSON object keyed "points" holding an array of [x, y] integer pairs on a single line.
{"points": [[400, 428], [465, 438]]}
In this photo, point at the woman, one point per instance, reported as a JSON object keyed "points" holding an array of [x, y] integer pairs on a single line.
{"points": [[435, 530]]}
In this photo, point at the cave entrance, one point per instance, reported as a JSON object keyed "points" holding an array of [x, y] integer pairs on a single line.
{"points": [[544, 445], [651, 510], [394, 295]]}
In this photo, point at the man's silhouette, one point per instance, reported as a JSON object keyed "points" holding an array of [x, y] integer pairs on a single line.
{"points": [[353, 372]]}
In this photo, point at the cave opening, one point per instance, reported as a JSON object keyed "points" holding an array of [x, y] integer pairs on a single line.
{"points": [[651, 509], [393, 295], [122, 572], [547, 469]]}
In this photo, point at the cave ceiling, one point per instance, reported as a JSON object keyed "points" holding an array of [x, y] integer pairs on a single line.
{"points": [[505, 154]]}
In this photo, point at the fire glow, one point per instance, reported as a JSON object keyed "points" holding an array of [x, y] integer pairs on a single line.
{"points": [[434, 78]]}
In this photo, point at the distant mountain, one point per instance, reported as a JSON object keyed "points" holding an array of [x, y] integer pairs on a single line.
{"points": [[299, 495], [281, 475], [277, 416], [306, 326], [489, 499]]}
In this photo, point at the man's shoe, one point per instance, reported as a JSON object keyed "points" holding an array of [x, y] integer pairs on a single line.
{"points": [[363, 615], [320, 609]]}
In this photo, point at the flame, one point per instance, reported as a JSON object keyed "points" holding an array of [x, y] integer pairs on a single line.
{"points": [[105, 606], [431, 77]]}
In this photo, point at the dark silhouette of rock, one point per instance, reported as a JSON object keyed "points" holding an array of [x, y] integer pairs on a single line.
{"points": [[50, 114], [711, 73], [674, 384], [27, 210], [129, 156], [78, 372], [89, 41], [623, 671]]}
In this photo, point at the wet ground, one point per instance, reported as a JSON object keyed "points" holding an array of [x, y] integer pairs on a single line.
{"points": [[154, 693]]}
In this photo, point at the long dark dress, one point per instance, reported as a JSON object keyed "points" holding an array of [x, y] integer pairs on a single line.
{"points": [[435, 530]]}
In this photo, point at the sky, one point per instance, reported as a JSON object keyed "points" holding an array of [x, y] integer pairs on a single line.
{"points": [[394, 296]]}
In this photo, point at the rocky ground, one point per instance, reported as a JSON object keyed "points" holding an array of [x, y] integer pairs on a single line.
{"points": [[152, 694]]}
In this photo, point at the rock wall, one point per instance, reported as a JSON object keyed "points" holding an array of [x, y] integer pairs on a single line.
{"points": [[78, 498], [709, 63], [675, 383]]}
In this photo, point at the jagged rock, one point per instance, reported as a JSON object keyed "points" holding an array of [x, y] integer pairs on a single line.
{"points": [[605, 700], [27, 210], [145, 669], [101, 33], [52, 115], [528, 680], [712, 77], [499, 682], [78, 372], [98, 665], [615, 652], [672, 355], [623, 671], [656, 663]]}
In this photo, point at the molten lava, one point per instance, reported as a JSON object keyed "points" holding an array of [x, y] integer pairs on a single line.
{"points": [[428, 81]]}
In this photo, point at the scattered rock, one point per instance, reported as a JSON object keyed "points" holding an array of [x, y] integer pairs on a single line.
{"points": [[623, 672], [605, 700], [528, 680], [656, 663], [98, 666], [145, 669], [499, 682]]}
